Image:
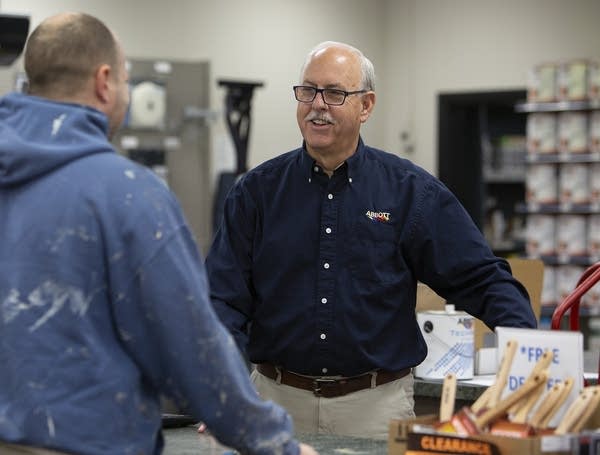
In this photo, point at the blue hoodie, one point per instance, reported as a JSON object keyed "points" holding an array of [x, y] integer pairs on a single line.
{"points": [[103, 300]]}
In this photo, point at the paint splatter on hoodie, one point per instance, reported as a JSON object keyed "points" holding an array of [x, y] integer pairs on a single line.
{"points": [[104, 300]]}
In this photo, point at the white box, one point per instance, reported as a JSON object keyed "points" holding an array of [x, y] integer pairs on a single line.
{"points": [[541, 133], [594, 127], [541, 184], [571, 235], [594, 80], [572, 132], [593, 233], [573, 183], [572, 80], [549, 295], [540, 236], [567, 277], [541, 83], [450, 343]]}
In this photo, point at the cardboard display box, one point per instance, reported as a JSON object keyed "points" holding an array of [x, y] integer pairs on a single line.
{"points": [[403, 439]]}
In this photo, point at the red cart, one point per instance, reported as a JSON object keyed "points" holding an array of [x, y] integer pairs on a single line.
{"points": [[589, 278]]}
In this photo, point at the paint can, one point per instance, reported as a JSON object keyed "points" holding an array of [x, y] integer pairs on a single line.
{"points": [[450, 340]]}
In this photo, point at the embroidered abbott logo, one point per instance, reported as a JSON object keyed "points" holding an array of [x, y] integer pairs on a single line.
{"points": [[380, 217]]}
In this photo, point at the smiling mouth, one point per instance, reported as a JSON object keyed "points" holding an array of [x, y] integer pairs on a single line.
{"points": [[320, 122]]}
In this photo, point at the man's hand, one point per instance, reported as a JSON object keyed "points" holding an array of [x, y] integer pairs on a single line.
{"points": [[307, 450]]}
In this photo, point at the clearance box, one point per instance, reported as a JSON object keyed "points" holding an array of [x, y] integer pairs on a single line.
{"points": [[407, 438]]}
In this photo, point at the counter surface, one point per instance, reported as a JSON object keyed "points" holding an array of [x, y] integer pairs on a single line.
{"points": [[187, 441]]}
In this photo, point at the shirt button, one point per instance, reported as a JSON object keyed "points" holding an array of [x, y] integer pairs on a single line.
{"points": [[316, 168], [323, 300], [328, 230], [350, 179], [323, 336], [326, 265], [330, 196], [324, 370]]}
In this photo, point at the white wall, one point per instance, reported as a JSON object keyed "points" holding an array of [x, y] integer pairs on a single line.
{"points": [[419, 47], [464, 45], [258, 40]]}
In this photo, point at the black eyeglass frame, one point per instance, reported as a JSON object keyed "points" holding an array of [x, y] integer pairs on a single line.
{"points": [[322, 91]]}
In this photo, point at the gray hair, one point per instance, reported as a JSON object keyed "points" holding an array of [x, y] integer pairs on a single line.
{"points": [[366, 67]]}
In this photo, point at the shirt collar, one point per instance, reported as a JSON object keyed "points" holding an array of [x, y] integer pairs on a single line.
{"points": [[353, 164]]}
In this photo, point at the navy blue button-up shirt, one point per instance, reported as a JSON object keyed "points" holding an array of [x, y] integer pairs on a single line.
{"points": [[319, 274]]}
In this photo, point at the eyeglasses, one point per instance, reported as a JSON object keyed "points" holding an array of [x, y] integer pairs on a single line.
{"points": [[331, 96]]}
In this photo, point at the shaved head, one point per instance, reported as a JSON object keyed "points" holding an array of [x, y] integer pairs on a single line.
{"points": [[65, 50]]}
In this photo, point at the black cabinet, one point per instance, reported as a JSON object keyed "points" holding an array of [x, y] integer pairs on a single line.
{"points": [[481, 157]]}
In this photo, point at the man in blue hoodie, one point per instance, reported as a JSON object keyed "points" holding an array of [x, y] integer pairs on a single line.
{"points": [[103, 295]]}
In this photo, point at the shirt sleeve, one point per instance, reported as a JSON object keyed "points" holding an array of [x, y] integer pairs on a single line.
{"points": [[452, 257], [174, 336]]}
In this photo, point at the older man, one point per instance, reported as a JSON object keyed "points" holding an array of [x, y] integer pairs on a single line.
{"points": [[316, 263]]}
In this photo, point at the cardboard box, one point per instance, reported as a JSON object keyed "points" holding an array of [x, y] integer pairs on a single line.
{"points": [[399, 429], [402, 441]]}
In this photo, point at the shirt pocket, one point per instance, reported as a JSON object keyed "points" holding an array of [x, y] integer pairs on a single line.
{"points": [[374, 253]]}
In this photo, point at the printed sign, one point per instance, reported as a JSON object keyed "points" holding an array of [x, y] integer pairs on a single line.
{"points": [[567, 358], [435, 444]]}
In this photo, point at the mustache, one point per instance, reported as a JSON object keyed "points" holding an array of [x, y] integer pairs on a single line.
{"points": [[322, 116]]}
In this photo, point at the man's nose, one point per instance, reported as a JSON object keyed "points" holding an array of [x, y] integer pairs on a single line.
{"points": [[319, 101]]}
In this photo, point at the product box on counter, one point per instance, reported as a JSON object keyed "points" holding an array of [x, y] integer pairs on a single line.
{"points": [[406, 437]]}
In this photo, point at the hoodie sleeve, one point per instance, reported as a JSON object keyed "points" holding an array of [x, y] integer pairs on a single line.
{"points": [[178, 342]]}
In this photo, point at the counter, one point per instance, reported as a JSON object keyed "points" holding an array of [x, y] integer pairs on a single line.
{"points": [[187, 441], [428, 393]]}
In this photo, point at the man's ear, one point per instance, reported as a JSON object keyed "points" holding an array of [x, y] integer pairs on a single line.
{"points": [[368, 103], [102, 83]]}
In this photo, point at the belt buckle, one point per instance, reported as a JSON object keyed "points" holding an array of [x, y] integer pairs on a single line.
{"points": [[318, 383]]}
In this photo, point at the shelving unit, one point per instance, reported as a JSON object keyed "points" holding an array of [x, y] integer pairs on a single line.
{"points": [[490, 179], [565, 261]]}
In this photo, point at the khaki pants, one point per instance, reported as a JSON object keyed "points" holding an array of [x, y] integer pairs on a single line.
{"points": [[13, 449], [366, 413]]}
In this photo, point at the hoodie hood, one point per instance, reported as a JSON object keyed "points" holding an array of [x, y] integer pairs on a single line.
{"points": [[38, 135]]}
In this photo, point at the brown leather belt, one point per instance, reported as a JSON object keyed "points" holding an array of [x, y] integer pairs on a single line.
{"points": [[330, 388]]}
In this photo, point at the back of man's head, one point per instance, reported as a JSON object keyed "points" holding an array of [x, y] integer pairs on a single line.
{"points": [[64, 51]]}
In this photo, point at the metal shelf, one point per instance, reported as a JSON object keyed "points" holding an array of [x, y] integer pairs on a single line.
{"points": [[563, 259], [558, 209], [563, 157], [558, 106]]}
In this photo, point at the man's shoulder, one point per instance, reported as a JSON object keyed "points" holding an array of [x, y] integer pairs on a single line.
{"points": [[279, 162], [114, 166], [273, 168], [116, 175], [381, 158]]}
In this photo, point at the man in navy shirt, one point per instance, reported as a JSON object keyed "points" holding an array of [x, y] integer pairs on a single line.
{"points": [[314, 268]]}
